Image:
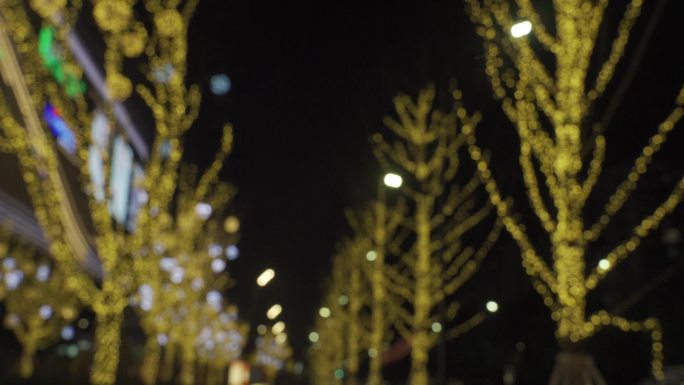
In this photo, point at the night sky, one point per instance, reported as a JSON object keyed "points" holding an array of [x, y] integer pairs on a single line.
{"points": [[311, 83]]}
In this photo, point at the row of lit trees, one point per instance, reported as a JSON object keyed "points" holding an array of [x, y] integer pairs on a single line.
{"points": [[406, 259], [169, 264], [561, 154]]}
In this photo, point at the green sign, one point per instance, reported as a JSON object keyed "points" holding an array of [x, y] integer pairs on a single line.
{"points": [[49, 53]]}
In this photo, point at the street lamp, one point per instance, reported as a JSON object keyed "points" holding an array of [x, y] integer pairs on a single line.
{"points": [[377, 256], [521, 29], [274, 311], [278, 327], [393, 180], [492, 306], [265, 277]]}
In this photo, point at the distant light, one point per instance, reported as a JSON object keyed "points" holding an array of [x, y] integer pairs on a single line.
{"points": [[68, 332], [220, 84], [521, 29], [167, 263], [313, 337], [298, 367], [343, 300], [162, 339], [372, 353], [492, 306], [214, 299], [84, 345], [604, 264], [12, 320], [281, 338], [203, 210], [324, 312], [45, 312], [278, 327], [72, 351], [274, 311], [177, 274], [393, 180], [520, 346], [436, 327], [232, 252], [371, 256], [218, 265], [43, 273], [261, 329], [215, 250], [197, 284], [265, 277], [9, 263], [83, 323], [13, 279], [68, 312], [231, 225]]}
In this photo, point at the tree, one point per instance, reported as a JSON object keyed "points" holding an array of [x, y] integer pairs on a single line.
{"points": [[550, 107], [380, 227], [37, 306], [157, 42], [440, 261], [186, 262]]}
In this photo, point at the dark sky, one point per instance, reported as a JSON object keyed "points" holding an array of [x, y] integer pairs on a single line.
{"points": [[310, 83]]}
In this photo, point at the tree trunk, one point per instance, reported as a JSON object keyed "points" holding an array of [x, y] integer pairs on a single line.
{"points": [[26, 361], [378, 292], [573, 368], [420, 343], [150, 365], [166, 372], [188, 360], [107, 344]]}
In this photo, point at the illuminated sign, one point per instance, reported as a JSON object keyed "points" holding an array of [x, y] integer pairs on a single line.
{"points": [[52, 58], [60, 131], [120, 179]]}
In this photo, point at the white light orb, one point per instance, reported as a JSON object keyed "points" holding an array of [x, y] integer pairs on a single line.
{"points": [[220, 84], [203, 210], [218, 265], [68, 333], [393, 180], [43, 273], [232, 252], [45, 312], [521, 29]]}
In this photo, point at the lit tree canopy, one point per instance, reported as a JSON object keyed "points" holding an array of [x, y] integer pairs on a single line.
{"points": [[155, 40], [562, 151]]}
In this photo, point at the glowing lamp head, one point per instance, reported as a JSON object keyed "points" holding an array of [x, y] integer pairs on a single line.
{"points": [[393, 180], [265, 277], [492, 306], [274, 311], [278, 327], [521, 29]]}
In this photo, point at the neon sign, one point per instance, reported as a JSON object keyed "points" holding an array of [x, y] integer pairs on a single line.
{"points": [[52, 59], [59, 129]]}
